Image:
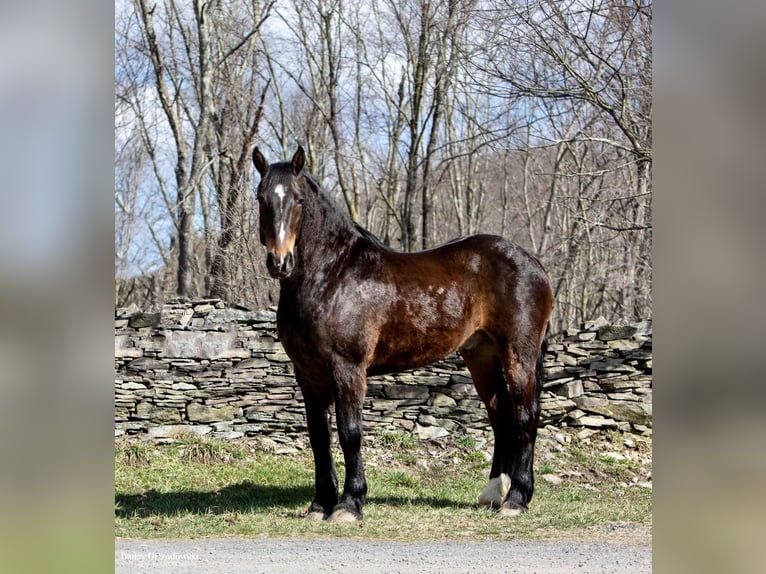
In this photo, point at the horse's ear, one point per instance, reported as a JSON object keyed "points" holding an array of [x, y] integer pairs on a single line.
{"points": [[299, 159], [260, 162]]}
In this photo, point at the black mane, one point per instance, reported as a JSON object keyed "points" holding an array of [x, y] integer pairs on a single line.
{"points": [[370, 235], [339, 214]]}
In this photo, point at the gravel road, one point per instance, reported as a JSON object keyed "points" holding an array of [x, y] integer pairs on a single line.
{"points": [[306, 556]]}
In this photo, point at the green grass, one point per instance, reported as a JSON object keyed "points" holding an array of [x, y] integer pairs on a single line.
{"points": [[396, 440], [200, 487], [135, 454]]}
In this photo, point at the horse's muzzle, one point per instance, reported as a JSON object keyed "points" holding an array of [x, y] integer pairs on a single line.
{"points": [[280, 267]]}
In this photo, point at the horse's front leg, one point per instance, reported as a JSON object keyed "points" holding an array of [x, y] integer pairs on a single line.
{"points": [[350, 386], [325, 478]]}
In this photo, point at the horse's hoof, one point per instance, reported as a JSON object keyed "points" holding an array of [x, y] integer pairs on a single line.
{"points": [[343, 515], [495, 491], [315, 516], [510, 510]]}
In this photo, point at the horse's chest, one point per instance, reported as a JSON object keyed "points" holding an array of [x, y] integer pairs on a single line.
{"points": [[314, 337], [301, 336], [295, 339]]}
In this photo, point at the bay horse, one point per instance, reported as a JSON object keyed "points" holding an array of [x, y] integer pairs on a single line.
{"points": [[350, 307]]}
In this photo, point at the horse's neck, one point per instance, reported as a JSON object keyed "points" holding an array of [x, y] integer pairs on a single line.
{"points": [[326, 235]]}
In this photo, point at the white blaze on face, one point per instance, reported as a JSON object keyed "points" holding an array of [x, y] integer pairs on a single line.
{"points": [[280, 191]]}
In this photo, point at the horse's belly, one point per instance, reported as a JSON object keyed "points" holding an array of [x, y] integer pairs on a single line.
{"points": [[410, 350]]}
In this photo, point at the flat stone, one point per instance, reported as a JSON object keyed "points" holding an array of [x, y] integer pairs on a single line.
{"points": [[586, 433], [278, 356], [460, 390], [559, 373], [227, 435], [612, 332], [612, 366], [460, 379], [249, 428], [595, 324], [632, 412], [376, 419], [205, 301], [406, 392], [430, 432], [218, 317], [442, 400], [597, 422], [253, 363], [628, 411], [427, 420], [569, 389], [146, 364], [172, 431], [200, 345], [622, 346], [575, 414], [617, 383], [197, 412], [573, 350], [556, 406], [383, 405], [405, 424], [183, 387], [163, 415], [552, 479], [140, 320], [203, 309], [131, 386], [176, 317], [143, 410], [123, 349]]}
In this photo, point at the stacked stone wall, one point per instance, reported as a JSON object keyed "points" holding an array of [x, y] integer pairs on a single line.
{"points": [[202, 367]]}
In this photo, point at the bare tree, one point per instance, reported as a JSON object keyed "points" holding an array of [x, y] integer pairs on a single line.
{"points": [[196, 67], [427, 118], [588, 66]]}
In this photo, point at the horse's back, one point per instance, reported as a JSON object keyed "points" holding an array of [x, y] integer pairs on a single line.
{"points": [[492, 260], [446, 294]]}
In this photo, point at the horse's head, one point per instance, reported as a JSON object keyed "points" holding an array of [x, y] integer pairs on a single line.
{"points": [[280, 204]]}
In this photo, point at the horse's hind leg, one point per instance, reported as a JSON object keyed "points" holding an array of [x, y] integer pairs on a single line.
{"points": [[523, 414], [482, 359], [508, 388]]}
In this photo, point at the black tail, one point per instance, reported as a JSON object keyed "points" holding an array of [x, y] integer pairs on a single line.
{"points": [[539, 371]]}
